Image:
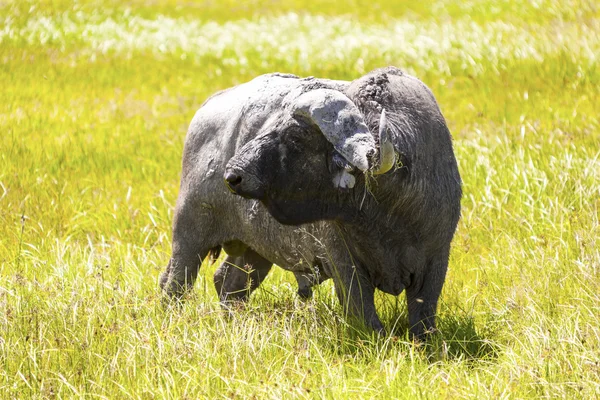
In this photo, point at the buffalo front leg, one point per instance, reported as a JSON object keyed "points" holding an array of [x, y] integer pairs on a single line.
{"points": [[357, 296], [238, 277], [423, 294]]}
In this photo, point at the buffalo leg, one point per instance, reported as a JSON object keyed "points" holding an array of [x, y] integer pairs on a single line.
{"points": [[238, 277], [307, 280], [182, 270], [189, 249], [305, 284], [356, 294], [423, 294]]}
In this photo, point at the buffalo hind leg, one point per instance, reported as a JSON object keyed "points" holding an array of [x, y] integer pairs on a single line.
{"points": [[182, 270], [189, 249], [305, 285], [307, 280], [239, 276], [423, 294]]}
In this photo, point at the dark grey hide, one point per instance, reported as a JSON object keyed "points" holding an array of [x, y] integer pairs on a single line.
{"points": [[327, 187]]}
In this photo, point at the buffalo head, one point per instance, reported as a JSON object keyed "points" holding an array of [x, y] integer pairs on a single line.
{"points": [[306, 161]]}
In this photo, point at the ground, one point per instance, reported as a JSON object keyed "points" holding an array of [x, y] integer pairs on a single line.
{"points": [[96, 99]]}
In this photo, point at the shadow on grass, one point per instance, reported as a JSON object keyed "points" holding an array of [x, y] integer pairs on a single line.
{"points": [[322, 320], [458, 339], [458, 336]]}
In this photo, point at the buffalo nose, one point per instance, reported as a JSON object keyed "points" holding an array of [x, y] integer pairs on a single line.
{"points": [[232, 178]]}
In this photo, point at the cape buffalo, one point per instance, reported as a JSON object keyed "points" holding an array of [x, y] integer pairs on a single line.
{"points": [[354, 181]]}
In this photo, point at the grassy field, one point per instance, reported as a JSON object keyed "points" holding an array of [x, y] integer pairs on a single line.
{"points": [[96, 99]]}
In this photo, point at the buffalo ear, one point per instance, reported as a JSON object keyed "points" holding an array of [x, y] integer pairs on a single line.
{"points": [[341, 122], [344, 180]]}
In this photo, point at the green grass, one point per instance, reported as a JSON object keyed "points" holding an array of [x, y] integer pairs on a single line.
{"points": [[96, 98]]}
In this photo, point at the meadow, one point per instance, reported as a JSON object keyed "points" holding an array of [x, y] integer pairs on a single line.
{"points": [[96, 97]]}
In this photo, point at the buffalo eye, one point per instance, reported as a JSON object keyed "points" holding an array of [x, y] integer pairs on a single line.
{"points": [[340, 162]]}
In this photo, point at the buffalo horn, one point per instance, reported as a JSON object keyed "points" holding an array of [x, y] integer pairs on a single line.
{"points": [[387, 155]]}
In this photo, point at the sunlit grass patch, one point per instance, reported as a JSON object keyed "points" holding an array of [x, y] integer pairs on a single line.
{"points": [[458, 46], [365, 10]]}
